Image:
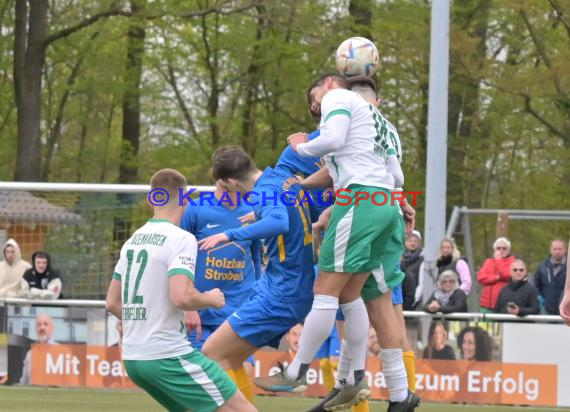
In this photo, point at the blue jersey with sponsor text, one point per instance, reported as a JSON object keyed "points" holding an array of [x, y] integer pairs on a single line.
{"points": [[232, 267], [286, 228]]}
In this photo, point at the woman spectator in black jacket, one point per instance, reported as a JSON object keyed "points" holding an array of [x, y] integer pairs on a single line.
{"points": [[447, 298], [519, 296]]}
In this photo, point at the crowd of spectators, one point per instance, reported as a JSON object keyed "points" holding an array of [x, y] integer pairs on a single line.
{"points": [[504, 282], [505, 286]]}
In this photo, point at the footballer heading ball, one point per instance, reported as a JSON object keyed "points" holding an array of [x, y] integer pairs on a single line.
{"points": [[357, 56]]}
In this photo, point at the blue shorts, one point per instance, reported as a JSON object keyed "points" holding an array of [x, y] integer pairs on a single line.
{"points": [[397, 296], [330, 347], [262, 321], [207, 330]]}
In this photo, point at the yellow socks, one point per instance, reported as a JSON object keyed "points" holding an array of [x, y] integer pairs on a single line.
{"points": [[327, 368], [361, 407], [243, 382], [410, 364]]}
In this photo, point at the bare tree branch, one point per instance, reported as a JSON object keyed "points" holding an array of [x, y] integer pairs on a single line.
{"points": [[117, 11], [553, 129], [560, 15], [541, 50], [85, 23], [221, 10], [529, 109], [170, 78]]}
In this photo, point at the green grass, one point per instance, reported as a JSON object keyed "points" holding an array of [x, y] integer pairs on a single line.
{"points": [[20, 399]]}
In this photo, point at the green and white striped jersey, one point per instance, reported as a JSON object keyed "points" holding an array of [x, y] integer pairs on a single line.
{"points": [[153, 328], [371, 138]]}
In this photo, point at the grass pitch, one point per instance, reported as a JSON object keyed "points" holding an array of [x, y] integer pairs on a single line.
{"points": [[20, 399]]}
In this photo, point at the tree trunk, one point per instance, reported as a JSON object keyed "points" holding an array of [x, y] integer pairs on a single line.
{"points": [[211, 59], [29, 56], [248, 139], [130, 141], [464, 112], [361, 12], [131, 97]]}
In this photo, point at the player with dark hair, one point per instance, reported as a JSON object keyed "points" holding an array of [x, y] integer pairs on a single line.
{"points": [[361, 157], [283, 295], [232, 267]]}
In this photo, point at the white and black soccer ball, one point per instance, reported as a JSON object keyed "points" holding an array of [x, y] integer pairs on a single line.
{"points": [[357, 56]]}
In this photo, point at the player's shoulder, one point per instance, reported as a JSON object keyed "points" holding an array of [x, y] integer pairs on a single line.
{"points": [[340, 95], [270, 178], [177, 234], [172, 234]]}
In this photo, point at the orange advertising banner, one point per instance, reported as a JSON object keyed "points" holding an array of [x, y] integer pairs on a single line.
{"points": [[437, 380], [447, 381], [78, 365]]}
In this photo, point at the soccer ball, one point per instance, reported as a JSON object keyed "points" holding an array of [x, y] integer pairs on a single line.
{"points": [[357, 56]]}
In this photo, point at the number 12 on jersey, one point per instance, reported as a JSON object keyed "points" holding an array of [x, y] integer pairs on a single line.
{"points": [[142, 259]]}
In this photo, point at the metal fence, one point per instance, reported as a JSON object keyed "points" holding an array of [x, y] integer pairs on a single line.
{"points": [[81, 226]]}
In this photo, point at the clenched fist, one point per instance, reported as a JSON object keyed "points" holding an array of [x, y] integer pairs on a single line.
{"points": [[216, 298]]}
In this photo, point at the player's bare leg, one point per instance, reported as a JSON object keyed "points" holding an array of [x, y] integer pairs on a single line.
{"points": [[227, 348]]}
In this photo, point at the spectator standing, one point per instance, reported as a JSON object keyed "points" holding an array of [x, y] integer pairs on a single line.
{"points": [[519, 297], [437, 348], [495, 274], [41, 281], [448, 297], [550, 277], [449, 258], [410, 265], [12, 269]]}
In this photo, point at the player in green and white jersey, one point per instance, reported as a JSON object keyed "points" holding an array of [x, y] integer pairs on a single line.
{"points": [[152, 285]]}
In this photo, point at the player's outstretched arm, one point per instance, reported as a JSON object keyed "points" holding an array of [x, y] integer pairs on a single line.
{"points": [[113, 303], [320, 178], [274, 220], [332, 138], [184, 296]]}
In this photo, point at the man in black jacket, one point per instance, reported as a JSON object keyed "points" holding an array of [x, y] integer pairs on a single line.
{"points": [[550, 277], [519, 297], [41, 281], [410, 265]]}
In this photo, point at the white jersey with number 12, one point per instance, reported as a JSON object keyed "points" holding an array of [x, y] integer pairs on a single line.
{"points": [[153, 328]]}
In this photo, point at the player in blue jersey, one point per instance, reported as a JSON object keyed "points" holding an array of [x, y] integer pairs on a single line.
{"points": [[232, 267], [296, 164], [284, 294]]}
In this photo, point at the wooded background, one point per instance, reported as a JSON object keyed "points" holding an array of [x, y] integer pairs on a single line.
{"points": [[111, 91]]}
